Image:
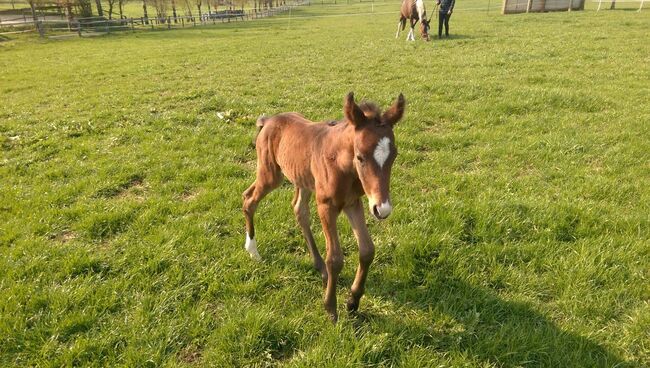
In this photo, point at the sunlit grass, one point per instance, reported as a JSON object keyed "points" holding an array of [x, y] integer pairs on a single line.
{"points": [[520, 231]]}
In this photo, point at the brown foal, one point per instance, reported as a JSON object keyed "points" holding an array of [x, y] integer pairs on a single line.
{"points": [[339, 162]]}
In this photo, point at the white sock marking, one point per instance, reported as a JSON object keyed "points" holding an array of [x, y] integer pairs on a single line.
{"points": [[382, 151], [251, 247]]}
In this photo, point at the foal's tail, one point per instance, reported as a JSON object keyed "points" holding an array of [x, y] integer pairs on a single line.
{"points": [[259, 124]]}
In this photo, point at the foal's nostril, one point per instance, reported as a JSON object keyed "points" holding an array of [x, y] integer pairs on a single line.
{"points": [[375, 211]]}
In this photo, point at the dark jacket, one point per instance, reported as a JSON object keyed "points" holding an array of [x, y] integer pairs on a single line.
{"points": [[446, 5]]}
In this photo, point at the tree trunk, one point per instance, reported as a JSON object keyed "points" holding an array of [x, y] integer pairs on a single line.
{"points": [[121, 11], [34, 17], [110, 10], [68, 10], [86, 8], [100, 11], [174, 11], [144, 7], [199, 7], [613, 6]]}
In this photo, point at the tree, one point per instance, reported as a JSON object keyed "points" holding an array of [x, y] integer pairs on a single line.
{"points": [[67, 5], [144, 8], [85, 8], [120, 4], [174, 10], [32, 6], [100, 12], [188, 7], [198, 5], [111, 3], [161, 9]]}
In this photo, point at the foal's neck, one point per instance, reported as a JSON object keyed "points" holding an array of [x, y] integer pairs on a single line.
{"points": [[339, 145]]}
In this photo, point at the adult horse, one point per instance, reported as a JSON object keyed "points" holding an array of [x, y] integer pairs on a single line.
{"points": [[339, 162], [413, 10]]}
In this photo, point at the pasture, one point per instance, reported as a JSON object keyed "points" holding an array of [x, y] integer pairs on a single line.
{"points": [[520, 231]]}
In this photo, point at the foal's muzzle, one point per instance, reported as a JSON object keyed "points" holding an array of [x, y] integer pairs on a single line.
{"points": [[381, 211]]}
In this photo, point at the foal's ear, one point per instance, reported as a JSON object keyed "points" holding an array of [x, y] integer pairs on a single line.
{"points": [[395, 113], [352, 111]]}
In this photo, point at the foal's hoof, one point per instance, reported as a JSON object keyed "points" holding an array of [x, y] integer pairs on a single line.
{"points": [[251, 248], [352, 305], [333, 317]]}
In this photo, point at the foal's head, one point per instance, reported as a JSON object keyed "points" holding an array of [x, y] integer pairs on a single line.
{"points": [[374, 149], [424, 28]]}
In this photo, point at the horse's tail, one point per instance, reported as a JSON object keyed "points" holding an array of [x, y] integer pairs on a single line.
{"points": [[259, 124]]}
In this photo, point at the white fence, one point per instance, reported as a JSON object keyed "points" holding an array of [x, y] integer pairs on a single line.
{"points": [[529, 6]]}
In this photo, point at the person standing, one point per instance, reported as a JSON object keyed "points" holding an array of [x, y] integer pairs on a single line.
{"points": [[446, 7]]}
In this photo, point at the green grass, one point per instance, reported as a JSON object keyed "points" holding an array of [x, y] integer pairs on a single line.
{"points": [[520, 235]]}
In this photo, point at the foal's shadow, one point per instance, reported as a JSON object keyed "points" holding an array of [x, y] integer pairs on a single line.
{"points": [[456, 317]]}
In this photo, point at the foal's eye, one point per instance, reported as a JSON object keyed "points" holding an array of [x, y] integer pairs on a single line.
{"points": [[359, 158]]}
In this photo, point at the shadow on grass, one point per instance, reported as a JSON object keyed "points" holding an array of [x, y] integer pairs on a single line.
{"points": [[476, 323], [451, 37]]}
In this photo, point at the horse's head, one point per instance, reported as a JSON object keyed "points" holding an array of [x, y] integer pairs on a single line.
{"points": [[374, 149], [424, 28]]}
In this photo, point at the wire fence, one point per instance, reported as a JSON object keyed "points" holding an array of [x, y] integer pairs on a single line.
{"points": [[54, 24], [59, 25]]}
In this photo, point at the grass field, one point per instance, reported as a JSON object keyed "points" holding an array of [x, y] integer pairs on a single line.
{"points": [[520, 235]]}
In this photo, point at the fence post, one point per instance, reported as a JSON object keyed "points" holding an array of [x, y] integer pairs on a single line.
{"points": [[79, 28], [132, 26], [169, 22], [39, 28]]}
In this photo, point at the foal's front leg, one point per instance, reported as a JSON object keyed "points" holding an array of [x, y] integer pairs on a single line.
{"points": [[357, 218], [334, 259]]}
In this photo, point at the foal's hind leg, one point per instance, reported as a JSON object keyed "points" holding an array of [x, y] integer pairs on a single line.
{"points": [[266, 181], [301, 209]]}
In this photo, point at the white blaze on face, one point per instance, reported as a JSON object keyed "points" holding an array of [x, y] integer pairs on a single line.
{"points": [[251, 247], [382, 151]]}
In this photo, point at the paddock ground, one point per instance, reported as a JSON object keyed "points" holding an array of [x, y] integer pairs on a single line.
{"points": [[520, 231]]}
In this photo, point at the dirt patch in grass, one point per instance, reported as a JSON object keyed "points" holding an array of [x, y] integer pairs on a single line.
{"points": [[189, 195], [190, 354], [64, 236]]}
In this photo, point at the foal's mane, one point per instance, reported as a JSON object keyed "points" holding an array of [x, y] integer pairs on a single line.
{"points": [[370, 110]]}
